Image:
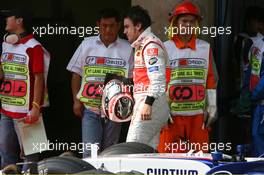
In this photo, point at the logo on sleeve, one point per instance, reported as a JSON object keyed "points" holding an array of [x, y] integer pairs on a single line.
{"points": [[153, 69], [153, 60], [152, 52]]}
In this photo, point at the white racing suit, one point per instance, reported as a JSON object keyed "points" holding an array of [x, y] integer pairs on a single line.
{"points": [[149, 76]]}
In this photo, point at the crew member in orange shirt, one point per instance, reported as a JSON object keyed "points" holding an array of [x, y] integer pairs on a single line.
{"points": [[192, 88]]}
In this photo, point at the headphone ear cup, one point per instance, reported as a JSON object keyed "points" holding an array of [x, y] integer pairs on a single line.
{"points": [[11, 38], [4, 38]]}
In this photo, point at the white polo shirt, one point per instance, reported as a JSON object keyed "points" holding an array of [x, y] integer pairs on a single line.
{"points": [[92, 60]]}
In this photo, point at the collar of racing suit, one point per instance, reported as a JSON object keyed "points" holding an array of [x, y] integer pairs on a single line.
{"points": [[141, 37]]}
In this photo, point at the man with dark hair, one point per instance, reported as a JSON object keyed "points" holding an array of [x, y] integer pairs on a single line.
{"points": [[139, 15], [96, 56], [150, 75], [23, 62], [108, 13]]}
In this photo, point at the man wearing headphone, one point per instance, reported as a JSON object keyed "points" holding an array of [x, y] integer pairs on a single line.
{"points": [[22, 91]]}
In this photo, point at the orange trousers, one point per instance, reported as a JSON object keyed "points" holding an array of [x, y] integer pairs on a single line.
{"points": [[184, 134]]}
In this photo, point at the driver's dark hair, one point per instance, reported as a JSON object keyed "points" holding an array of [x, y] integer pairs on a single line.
{"points": [[138, 14], [108, 13]]}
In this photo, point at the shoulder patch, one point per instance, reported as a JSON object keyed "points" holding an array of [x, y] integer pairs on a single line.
{"points": [[152, 52]]}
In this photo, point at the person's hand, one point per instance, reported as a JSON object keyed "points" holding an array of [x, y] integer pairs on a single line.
{"points": [[2, 76], [146, 112], [211, 108], [33, 116], [210, 115], [78, 108]]}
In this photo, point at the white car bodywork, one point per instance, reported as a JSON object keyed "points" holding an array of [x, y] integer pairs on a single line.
{"points": [[152, 164]]}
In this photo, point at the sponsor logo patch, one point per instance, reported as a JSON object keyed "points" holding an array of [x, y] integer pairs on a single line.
{"points": [[152, 52], [105, 61], [15, 58], [183, 62], [187, 93], [153, 69], [14, 88], [188, 62], [100, 60], [153, 60]]}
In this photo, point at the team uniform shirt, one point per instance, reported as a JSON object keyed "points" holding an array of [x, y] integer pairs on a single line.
{"points": [[92, 60], [20, 62], [192, 75]]}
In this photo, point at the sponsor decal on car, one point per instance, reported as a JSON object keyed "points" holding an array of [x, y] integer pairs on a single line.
{"points": [[164, 171]]}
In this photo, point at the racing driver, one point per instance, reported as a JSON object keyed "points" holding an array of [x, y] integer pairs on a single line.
{"points": [[151, 109]]}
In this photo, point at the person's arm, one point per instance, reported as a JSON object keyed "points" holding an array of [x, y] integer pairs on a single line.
{"points": [[38, 96], [75, 86], [1, 68], [131, 64], [75, 67], [37, 58], [258, 91], [211, 85], [1, 73], [155, 61]]}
